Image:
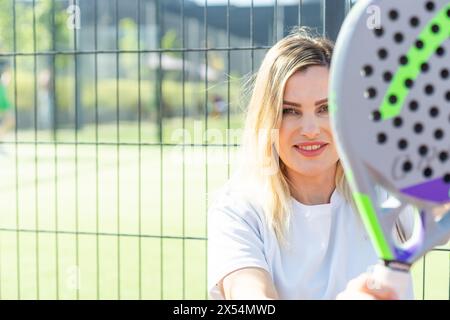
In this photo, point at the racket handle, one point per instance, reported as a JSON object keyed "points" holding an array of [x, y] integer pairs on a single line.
{"points": [[398, 280]]}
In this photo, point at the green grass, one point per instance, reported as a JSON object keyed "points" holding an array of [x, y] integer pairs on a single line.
{"points": [[197, 131], [118, 212], [128, 232]]}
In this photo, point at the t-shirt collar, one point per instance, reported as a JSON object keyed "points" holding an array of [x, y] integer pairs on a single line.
{"points": [[335, 200]]}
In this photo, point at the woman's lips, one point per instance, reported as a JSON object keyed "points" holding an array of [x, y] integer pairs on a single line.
{"points": [[310, 149]]}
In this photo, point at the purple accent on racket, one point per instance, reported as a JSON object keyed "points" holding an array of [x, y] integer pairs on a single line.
{"points": [[404, 254], [434, 190]]}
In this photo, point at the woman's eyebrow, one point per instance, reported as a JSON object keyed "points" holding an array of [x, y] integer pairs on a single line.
{"points": [[321, 101], [292, 103], [299, 105]]}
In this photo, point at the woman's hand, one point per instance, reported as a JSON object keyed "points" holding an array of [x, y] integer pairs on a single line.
{"points": [[365, 287]]}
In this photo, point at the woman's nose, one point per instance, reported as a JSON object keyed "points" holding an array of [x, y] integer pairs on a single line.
{"points": [[309, 127]]}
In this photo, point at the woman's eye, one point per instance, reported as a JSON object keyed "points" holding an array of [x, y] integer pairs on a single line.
{"points": [[323, 109], [290, 111]]}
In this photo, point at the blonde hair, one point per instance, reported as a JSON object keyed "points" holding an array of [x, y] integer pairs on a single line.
{"points": [[297, 51]]}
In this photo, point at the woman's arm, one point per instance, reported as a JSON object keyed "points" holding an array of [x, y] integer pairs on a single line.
{"points": [[248, 284]]}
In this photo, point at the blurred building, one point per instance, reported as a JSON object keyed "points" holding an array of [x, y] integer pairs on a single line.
{"points": [[217, 26]]}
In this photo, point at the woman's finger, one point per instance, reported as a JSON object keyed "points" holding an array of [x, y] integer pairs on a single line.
{"points": [[379, 290]]}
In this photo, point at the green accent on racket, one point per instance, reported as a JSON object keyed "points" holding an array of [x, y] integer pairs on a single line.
{"points": [[372, 225], [416, 56]]}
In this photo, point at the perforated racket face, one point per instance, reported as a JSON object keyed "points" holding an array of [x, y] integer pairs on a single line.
{"points": [[393, 106]]}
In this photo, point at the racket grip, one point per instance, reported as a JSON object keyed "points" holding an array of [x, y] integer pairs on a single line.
{"points": [[397, 280]]}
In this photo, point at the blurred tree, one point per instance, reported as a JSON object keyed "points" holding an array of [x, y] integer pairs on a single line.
{"points": [[24, 18], [128, 40], [37, 26], [128, 34], [170, 41]]}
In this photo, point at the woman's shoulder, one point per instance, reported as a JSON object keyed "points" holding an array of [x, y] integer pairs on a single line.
{"points": [[232, 202]]}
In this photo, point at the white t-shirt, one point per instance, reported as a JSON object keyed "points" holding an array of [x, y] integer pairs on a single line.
{"points": [[328, 246]]}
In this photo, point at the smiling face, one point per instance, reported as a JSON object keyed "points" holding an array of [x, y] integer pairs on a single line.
{"points": [[306, 145]]}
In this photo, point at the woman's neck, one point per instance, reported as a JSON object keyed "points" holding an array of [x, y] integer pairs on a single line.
{"points": [[313, 190]]}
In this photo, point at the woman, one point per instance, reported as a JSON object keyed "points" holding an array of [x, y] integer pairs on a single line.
{"points": [[284, 226]]}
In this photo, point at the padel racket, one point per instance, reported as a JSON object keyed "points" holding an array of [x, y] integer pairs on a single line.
{"points": [[390, 111]]}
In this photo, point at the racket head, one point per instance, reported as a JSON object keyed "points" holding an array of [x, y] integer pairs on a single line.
{"points": [[390, 112]]}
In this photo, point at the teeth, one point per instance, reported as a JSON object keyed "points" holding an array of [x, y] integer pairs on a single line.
{"points": [[310, 148]]}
